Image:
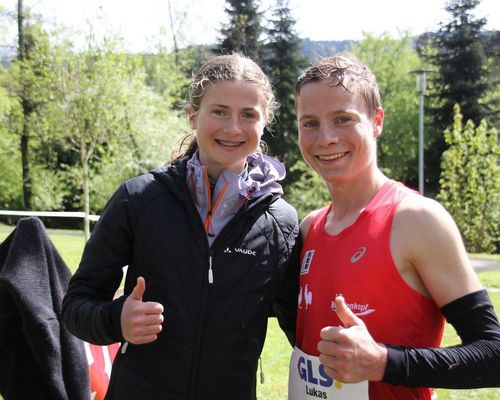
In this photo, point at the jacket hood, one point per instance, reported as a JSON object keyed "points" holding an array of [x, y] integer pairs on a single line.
{"points": [[218, 202]]}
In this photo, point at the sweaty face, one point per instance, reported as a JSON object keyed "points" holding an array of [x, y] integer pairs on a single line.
{"points": [[229, 125], [337, 136]]}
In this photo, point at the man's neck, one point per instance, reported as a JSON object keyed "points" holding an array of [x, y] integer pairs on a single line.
{"points": [[350, 199]]}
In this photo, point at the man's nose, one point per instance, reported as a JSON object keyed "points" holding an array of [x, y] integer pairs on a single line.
{"points": [[327, 135]]}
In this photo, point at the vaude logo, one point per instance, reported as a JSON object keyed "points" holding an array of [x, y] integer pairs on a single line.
{"points": [[241, 251], [358, 255]]}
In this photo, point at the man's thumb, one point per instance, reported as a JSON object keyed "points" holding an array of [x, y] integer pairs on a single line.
{"points": [[139, 289], [345, 314]]}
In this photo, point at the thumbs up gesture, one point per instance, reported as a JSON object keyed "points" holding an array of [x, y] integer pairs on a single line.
{"points": [[348, 352], [140, 321]]}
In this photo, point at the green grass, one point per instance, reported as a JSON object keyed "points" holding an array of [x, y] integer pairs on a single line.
{"points": [[276, 353]]}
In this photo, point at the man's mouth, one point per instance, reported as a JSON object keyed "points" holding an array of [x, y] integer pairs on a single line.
{"points": [[331, 157]]}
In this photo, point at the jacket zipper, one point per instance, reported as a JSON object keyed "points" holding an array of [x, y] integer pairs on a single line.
{"points": [[210, 272], [205, 288]]}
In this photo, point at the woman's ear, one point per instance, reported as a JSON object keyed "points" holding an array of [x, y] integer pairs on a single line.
{"points": [[378, 122], [192, 114]]}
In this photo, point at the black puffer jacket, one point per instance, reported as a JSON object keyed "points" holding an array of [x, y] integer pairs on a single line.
{"points": [[213, 333]]}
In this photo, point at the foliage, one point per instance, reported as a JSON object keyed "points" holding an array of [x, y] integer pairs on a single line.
{"points": [[31, 75], [169, 74], [457, 53], [491, 100], [392, 61], [10, 164], [460, 60], [309, 192], [283, 63], [470, 182], [243, 31]]}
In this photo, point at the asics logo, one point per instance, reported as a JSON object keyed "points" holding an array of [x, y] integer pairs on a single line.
{"points": [[358, 255]]}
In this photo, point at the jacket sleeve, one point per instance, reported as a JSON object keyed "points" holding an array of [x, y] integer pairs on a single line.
{"points": [[285, 305], [88, 310]]}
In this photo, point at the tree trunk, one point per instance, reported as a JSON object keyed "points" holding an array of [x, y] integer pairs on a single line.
{"points": [[27, 110], [86, 189], [25, 159], [176, 50]]}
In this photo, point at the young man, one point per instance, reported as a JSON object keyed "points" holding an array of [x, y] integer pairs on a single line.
{"points": [[382, 267]]}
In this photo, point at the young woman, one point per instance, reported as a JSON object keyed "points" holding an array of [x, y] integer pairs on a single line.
{"points": [[208, 242]]}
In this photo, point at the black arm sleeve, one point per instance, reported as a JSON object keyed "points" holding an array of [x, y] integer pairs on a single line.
{"points": [[473, 364]]}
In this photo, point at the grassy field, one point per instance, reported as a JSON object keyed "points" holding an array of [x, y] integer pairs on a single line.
{"points": [[275, 356]]}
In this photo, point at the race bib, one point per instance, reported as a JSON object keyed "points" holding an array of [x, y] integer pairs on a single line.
{"points": [[308, 380]]}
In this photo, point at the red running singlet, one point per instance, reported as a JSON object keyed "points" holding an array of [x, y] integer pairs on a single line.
{"points": [[358, 264]]}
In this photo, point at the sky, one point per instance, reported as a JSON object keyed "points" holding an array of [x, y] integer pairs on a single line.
{"points": [[140, 23]]}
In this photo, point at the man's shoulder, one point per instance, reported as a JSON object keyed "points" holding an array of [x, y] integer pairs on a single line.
{"points": [[308, 219], [416, 206]]}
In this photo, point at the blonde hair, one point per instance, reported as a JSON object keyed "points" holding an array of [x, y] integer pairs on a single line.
{"points": [[232, 67]]}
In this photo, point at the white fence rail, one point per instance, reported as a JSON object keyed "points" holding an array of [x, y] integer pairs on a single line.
{"points": [[65, 214]]}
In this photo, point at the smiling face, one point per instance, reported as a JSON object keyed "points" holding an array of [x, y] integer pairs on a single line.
{"points": [[229, 124], [337, 135]]}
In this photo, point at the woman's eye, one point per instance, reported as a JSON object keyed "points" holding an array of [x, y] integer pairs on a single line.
{"points": [[219, 112], [249, 115]]}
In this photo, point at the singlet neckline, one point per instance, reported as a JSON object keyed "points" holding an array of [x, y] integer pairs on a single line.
{"points": [[369, 206]]}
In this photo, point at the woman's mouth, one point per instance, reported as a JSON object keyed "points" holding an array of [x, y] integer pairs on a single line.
{"points": [[228, 143]]}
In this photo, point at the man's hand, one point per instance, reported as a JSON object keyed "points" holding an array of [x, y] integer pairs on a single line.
{"points": [[349, 353], [141, 321]]}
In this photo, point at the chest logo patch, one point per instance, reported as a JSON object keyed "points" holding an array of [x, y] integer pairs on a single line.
{"points": [[306, 262], [358, 255]]}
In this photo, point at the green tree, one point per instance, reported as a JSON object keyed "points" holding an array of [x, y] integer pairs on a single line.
{"points": [[93, 88], [470, 182], [31, 75], [457, 53], [243, 31], [391, 60], [11, 195], [491, 101], [283, 63], [308, 193]]}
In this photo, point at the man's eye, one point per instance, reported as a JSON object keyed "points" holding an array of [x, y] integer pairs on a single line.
{"points": [[342, 120], [310, 124]]}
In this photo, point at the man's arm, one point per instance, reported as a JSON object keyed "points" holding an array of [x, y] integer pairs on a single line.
{"points": [[436, 251], [473, 364]]}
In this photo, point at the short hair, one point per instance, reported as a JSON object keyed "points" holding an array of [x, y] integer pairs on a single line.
{"points": [[346, 71]]}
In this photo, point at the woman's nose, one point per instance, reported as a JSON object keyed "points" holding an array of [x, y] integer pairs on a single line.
{"points": [[233, 125]]}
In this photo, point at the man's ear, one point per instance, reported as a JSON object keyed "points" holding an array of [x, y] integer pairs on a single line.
{"points": [[192, 116], [378, 122]]}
